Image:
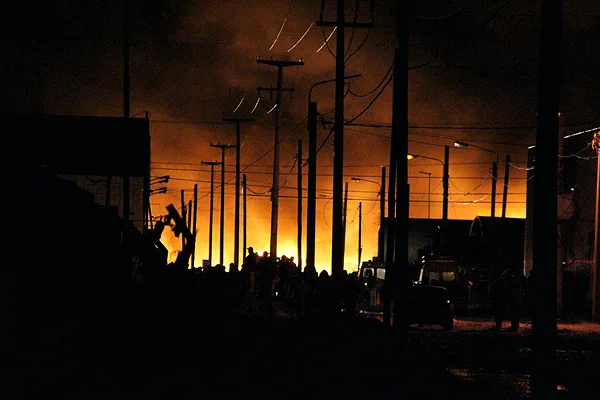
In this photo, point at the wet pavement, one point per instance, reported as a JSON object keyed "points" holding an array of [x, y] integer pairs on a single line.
{"points": [[247, 354], [502, 361]]}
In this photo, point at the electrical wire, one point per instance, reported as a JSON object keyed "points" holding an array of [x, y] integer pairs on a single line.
{"points": [[302, 37], [471, 35], [451, 13], [371, 102], [376, 87], [326, 41], [239, 104], [279, 33]]}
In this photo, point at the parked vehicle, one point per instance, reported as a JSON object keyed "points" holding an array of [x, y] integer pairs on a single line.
{"points": [[431, 305], [444, 271], [427, 304]]}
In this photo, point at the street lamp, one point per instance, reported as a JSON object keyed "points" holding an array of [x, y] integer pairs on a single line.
{"points": [[428, 192], [460, 144], [445, 179], [380, 236]]}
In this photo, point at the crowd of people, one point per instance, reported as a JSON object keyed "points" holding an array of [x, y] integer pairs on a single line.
{"points": [[260, 283]]}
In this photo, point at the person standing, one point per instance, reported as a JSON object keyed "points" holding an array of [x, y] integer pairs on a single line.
{"points": [[498, 295], [249, 268]]}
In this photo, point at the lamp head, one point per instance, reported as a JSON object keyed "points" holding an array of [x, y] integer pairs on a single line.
{"points": [[460, 144]]}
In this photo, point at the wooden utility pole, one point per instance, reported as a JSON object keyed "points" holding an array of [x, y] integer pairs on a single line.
{"points": [[182, 216], [337, 234], [544, 318], [245, 216], [212, 196], [236, 232], [223, 147], [596, 267], [344, 219], [381, 235], [397, 273], [505, 192], [189, 224], [494, 181], [299, 263], [194, 221], [126, 113], [445, 181], [280, 64], [312, 185], [359, 233]]}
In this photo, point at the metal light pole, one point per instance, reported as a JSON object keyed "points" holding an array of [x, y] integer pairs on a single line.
{"points": [[445, 179], [428, 192], [381, 195], [223, 147], [494, 171], [212, 196]]}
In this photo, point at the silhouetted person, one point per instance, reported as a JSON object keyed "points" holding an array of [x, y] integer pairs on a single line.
{"points": [[296, 286], [498, 295], [350, 292], [514, 290], [282, 287], [267, 272], [371, 287], [249, 267], [325, 297], [309, 288]]}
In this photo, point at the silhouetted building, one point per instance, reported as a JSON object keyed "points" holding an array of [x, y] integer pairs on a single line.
{"points": [[94, 152], [433, 237]]}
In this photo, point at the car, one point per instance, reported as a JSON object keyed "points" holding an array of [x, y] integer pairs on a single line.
{"points": [[430, 305]]}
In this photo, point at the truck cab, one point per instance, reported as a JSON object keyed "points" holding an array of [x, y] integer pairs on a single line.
{"points": [[371, 276], [444, 271]]}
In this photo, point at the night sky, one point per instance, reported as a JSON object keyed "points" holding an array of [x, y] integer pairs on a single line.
{"points": [[194, 62]]}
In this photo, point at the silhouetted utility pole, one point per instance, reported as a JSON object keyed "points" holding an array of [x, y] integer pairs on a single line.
{"points": [[494, 181], [245, 215], [299, 264], [182, 216], [596, 266], [359, 232], [223, 147], [126, 113], [381, 235], [445, 180], [505, 192], [312, 172], [337, 234], [194, 218], [428, 192], [397, 273], [236, 234], [212, 193], [280, 64], [544, 318], [189, 224], [344, 217], [312, 184]]}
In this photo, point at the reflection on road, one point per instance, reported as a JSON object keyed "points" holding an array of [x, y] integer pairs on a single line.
{"points": [[512, 383]]}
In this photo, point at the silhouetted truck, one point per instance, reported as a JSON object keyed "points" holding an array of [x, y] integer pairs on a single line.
{"points": [[444, 271], [371, 276]]}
